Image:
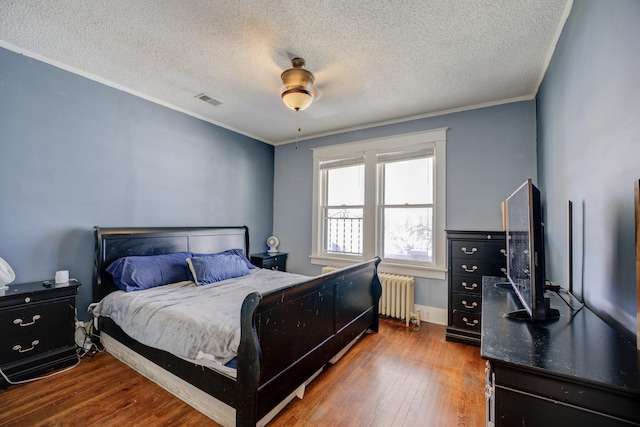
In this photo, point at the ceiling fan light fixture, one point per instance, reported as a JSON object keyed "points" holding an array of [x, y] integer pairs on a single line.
{"points": [[298, 92], [297, 98]]}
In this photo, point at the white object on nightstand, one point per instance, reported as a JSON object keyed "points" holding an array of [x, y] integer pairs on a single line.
{"points": [[273, 243], [6, 274]]}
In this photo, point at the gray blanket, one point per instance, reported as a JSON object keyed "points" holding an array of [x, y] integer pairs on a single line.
{"points": [[190, 321]]}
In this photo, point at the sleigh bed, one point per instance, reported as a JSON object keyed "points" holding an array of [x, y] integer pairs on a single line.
{"points": [[287, 335]]}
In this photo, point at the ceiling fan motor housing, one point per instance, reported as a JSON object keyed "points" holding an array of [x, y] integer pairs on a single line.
{"points": [[298, 92]]}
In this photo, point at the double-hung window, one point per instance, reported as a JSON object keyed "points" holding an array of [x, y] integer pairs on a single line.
{"points": [[343, 206], [382, 197]]}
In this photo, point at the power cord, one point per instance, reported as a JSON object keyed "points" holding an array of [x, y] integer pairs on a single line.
{"points": [[84, 338], [554, 287]]}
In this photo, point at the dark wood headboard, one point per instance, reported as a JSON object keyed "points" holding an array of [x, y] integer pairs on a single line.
{"points": [[114, 243]]}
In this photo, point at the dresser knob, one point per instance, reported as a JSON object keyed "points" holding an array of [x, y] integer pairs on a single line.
{"points": [[474, 323], [33, 320], [473, 286], [472, 305], [27, 299], [469, 270]]}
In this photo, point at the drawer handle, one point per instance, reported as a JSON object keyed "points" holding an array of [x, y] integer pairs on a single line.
{"points": [[504, 270], [470, 288], [275, 267], [472, 305], [503, 252], [471, 252], [474, 323], [33, 320], [469, 270], [18, 348]]}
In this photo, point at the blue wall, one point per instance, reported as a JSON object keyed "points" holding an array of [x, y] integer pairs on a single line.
{"points": [[490, 151], [589, 147], [75, 153]]}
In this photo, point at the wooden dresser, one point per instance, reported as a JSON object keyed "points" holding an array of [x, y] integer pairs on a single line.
{"points": [[37, 326], [574, 371], [472, 254]]}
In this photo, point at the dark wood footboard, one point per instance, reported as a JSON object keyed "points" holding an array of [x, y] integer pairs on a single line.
{"points": [[289, 334]]}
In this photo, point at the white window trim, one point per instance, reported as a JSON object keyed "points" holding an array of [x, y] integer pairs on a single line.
{"points": [[438, 137]]}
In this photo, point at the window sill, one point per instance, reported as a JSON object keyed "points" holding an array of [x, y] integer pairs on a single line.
{"points": [[385, 267]]}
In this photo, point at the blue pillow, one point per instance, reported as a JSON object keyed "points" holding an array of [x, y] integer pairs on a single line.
{"points": [[238, 252], [217, 267], [134, 273]]}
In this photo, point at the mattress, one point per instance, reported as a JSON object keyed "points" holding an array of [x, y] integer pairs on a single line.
{"points": [[197, 323]]}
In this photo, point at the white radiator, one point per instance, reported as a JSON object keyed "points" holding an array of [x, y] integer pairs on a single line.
{"points": [[397, 296]]}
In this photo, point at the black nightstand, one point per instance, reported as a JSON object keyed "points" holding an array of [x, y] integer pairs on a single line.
{"points": [[37, 326], [276, 261]]}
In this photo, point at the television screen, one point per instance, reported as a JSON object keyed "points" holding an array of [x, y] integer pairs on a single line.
{"points": [[525, 249]]}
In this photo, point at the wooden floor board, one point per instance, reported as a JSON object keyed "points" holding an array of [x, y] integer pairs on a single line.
{"points": [[397, 377]]}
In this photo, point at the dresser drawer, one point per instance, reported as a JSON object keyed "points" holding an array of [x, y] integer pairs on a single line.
{"points": [[466, 283], [478, 250], [35, 329], [481, 267], [466, 302], [467, 320]]}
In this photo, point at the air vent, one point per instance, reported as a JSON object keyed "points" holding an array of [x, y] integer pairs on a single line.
{"points": [[208, 99]]}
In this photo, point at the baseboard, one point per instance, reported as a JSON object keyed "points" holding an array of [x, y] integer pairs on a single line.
{"points": [[435, 315]]}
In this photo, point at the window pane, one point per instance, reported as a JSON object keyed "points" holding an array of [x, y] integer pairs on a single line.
{"points": [[408, 234], [408, 181], [343, 231], [345, 186]]}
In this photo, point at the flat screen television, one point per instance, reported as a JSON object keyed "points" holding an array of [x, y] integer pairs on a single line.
{"points": [[525, 254]]}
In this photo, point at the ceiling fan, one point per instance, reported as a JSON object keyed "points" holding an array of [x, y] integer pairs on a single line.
{"points": [[339, 83], [298, 91]]}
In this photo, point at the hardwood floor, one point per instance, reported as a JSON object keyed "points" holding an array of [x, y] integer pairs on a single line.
{"points": [[397, 377]]}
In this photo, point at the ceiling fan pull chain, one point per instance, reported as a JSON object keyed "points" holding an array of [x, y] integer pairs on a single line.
{"points": [[297, 126]]}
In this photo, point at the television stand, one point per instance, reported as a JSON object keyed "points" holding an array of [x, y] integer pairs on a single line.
{"points": [[550, 314], [576, 370], [522, 315]]}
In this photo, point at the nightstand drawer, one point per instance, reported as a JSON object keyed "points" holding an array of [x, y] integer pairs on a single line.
{"points": [[35, 329], [33, 318], [270, 261], [35, 293], [29, 346]]}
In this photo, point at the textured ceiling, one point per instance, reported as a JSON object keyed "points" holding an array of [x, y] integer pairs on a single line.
{"points": [[374, 61]]}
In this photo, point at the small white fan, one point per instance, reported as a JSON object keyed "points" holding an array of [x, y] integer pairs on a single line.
{"points": [[273, 243], [6, 274]]}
